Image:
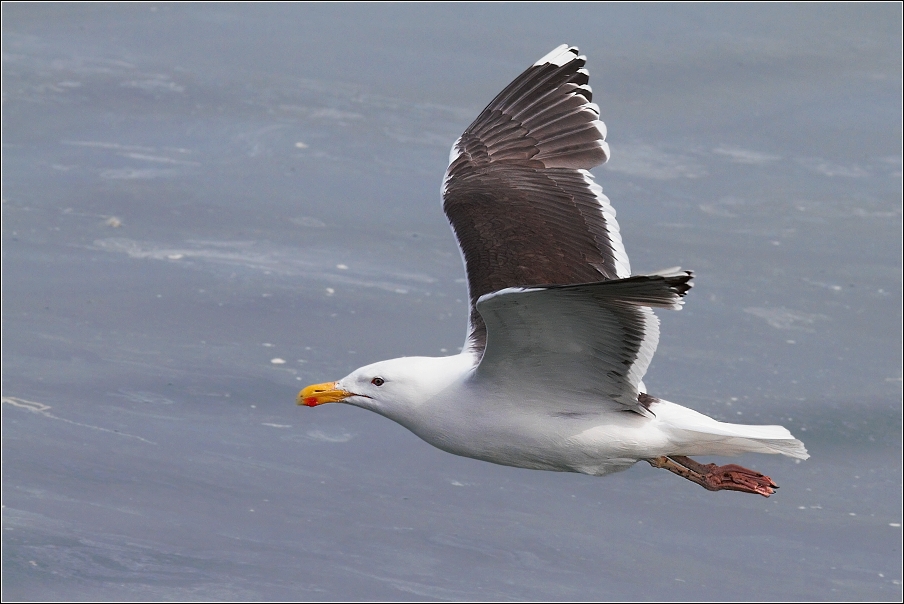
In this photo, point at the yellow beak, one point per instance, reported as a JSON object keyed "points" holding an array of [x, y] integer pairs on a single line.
{"points": [[317, 394]]}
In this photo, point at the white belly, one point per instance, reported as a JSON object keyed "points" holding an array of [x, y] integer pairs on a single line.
{"points": [[571, 436]]}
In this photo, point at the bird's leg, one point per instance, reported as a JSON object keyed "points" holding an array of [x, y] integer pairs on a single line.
{"points": [[716, 478]]}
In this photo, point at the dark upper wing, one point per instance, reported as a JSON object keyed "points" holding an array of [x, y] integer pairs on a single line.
{"points": [[518, 194], [592, 340]]}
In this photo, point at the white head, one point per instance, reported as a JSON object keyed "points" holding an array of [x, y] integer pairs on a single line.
{"points": [[394, 387]]}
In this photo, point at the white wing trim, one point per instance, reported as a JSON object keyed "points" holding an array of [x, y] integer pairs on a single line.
{"points": [[622, 264], [558, 56]]}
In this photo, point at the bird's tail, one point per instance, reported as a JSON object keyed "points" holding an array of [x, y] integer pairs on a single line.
{"points": [[696, 434]]}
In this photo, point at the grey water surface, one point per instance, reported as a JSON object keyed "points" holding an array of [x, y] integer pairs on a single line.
{"points": [[207, 207]]}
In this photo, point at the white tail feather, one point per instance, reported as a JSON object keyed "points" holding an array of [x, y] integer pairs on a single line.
{"points": [[696, 434]]}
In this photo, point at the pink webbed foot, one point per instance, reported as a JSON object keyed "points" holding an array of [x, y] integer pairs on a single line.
{"points": [[711, 477]]}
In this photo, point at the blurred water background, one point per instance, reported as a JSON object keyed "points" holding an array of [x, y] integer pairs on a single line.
{"points": [[206, 207]]}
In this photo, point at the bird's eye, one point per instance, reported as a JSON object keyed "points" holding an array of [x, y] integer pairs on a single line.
{"points": [[378, 381]]}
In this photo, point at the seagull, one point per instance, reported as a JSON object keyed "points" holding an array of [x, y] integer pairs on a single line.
{"points": [[560, 333]]}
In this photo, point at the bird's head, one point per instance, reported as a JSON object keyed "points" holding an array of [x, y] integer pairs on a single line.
{"points": [[393, 386]]}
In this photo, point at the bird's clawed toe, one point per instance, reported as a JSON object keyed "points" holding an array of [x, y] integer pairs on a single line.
{"points": [[711, 477], [732, 477]]}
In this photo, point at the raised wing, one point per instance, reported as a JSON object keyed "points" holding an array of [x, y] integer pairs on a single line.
{"points": [[594, 340], [518, 194]]}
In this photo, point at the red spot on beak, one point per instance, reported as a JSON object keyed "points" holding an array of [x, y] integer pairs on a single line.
{"points": [[311, 401]]}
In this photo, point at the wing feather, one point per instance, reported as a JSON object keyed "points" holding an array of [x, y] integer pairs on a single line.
{"points": [[591, 339], [518, 194]]}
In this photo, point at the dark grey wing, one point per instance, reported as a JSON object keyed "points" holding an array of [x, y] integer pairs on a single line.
{"points": [[518, 194], [593, 340]]}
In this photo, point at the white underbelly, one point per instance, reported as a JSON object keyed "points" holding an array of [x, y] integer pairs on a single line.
{"points": [[589, 438]]}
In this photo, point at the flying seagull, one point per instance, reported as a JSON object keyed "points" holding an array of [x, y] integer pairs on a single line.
{"points": [[560, 333]]}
